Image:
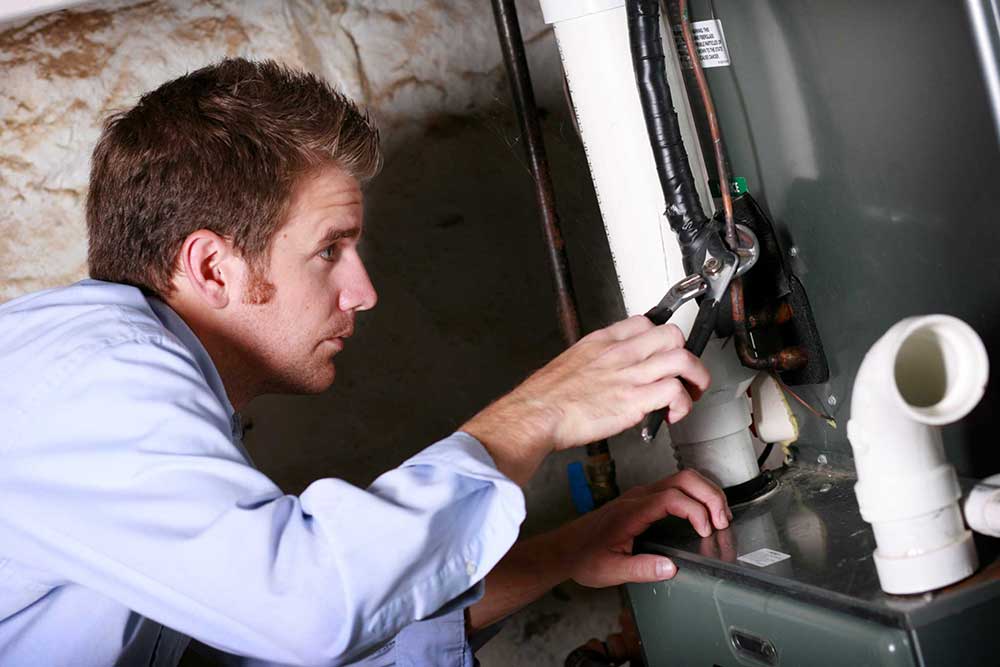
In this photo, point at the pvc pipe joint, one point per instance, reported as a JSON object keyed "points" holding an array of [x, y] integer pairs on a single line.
{"points": [[714, 438], [982, 507], [923, 373]]}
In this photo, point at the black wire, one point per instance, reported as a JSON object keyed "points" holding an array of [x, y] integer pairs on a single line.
{"points": [[764, 454]]}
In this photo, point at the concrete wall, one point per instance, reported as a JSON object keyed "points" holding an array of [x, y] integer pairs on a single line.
{"points": [[466, 306]]}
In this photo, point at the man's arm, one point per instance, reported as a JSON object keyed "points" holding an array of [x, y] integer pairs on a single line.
{"points": [[596, 549], [123, 479], [597, 388]]}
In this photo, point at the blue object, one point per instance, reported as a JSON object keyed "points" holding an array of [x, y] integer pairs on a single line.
{"points": [[579, 489]]}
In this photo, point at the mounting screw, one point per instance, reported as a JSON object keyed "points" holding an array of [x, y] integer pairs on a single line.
{"points": [[712, 266], [793, 251], [821, 459], [831, 400]]}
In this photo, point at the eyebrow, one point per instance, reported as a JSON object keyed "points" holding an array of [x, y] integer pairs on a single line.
{"points": [[333, 235]]}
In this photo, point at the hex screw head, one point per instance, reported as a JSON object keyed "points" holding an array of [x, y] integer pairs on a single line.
{"points": [[712, 266]]}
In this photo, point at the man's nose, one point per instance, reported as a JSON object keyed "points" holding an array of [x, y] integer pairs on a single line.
{"points": [[357, 292]]}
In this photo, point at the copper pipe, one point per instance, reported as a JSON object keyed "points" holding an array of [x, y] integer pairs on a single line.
{"points": [[721, 165], [600, 465], [783, 313], [788, 358], [512, 46]]}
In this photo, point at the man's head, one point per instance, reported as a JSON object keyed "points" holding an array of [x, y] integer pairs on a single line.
{"points": [[234, 193]]}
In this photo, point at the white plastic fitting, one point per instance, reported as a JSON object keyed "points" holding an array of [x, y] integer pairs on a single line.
{"points": [[982, 507], [772, 416], [714, 438], [923, 373]]}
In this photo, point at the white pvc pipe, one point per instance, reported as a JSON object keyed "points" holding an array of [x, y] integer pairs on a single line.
{"points": [[923, 373], [982, 507], [714, 438]]}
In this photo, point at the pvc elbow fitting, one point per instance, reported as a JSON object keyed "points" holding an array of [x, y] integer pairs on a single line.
{"points": [[923, 373]]}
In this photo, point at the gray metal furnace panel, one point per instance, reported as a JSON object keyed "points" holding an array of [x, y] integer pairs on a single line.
{"points": [[865, 128], [818, 601], [697, 620]]}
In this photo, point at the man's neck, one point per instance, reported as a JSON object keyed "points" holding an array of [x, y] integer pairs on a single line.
{"points": [[232, 365]]}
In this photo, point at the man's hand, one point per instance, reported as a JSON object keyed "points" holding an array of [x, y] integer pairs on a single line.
{"points": [[599, 387], [599, 544], [596, 549]]}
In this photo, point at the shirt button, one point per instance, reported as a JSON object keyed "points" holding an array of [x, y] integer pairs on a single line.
{"points": [[470, 568]]}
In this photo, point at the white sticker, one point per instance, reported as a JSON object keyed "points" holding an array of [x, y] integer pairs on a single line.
{"points": [[763, 557], [708, 39]]}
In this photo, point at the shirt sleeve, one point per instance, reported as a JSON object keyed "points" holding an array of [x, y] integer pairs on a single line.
{"points": [[128, 483]]}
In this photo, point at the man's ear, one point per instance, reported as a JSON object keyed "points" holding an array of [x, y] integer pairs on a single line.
{"points": [[206, 268]]}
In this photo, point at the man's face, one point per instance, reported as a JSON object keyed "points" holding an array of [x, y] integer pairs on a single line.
{"points": [[317, 285]]}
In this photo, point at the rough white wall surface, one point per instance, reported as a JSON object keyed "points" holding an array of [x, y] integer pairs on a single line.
{"points": [[62, 73]]}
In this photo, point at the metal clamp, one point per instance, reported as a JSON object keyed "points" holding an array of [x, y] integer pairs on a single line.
{"points": [[714, 277], [720, 266]]}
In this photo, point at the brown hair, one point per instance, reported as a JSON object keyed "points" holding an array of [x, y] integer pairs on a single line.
{"points": [[221, 149]]}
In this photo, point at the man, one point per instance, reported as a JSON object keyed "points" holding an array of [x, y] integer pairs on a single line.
{"points": [[224, 215]]}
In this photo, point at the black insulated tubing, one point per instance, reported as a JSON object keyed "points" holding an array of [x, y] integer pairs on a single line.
{"points": [[684, 212]]}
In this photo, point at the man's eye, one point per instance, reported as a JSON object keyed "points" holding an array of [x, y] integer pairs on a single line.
{"points": [[329, 253]]}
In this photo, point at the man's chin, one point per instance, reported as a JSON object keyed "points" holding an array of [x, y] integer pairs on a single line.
{"points": [[314, 383]]}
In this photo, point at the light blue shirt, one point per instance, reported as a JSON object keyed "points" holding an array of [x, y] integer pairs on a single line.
{"points": [[131, 517]]}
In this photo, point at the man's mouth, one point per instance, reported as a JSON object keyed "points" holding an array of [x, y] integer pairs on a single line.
{"points": [[339, 339]]}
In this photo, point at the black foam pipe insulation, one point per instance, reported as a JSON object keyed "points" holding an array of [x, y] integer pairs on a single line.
{"points": [[683, 208]]}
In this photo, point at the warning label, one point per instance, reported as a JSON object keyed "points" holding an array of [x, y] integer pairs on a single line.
{"points": [[708, 39], [763, 557]]}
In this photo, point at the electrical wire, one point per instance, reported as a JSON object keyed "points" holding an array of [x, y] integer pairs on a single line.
{"points": [[764, 454], [822, 415]]}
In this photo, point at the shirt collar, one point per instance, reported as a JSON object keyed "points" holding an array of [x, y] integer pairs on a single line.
{"points": [[176, 325]]}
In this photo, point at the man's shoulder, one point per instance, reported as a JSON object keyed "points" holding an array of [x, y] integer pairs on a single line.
{"points": [[87, 313], [46, 335]]}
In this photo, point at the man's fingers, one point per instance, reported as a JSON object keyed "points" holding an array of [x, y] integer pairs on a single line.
{"points": [[682, 505], [701, 489], [674, 363], [679, 407], [627, 328], [668, 393], [649, 342], [640, 513]]}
